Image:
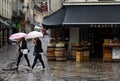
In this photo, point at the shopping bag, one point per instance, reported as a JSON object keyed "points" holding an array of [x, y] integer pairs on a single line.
{"points": [[25, 51]]}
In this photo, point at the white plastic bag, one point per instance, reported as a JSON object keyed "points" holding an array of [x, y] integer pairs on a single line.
{"points": [[25, 51]]}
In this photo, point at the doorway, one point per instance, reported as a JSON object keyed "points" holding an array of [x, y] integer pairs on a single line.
{"points": [[96, 51], [96, 38]]}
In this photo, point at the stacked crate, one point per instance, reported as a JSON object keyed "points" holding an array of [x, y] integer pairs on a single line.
{"points": [[79, 56]]}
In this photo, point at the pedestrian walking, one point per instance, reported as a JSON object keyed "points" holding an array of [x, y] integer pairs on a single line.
{"points": [[38, 51], [22, 50]]}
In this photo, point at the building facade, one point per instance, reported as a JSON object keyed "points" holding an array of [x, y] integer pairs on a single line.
{"points": [[5, 16], [43, 8], [23, 15], [29, 16], [6, 8], [15, 16]]}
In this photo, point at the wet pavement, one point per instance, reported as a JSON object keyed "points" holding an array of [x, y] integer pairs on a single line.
{"points": [[55, 71], [86, 71]]}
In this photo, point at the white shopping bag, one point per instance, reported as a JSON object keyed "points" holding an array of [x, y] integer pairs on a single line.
{"points": [[25, 51]]}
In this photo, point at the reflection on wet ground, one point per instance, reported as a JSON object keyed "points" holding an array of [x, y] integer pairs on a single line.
{"points": [[64, 71], [86, 71]]}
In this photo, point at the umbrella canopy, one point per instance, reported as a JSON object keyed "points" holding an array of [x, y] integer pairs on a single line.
{"points": [[34, 34], [17, 35]]}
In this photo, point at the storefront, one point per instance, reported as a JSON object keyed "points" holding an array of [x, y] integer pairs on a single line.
{"points": [[89, 26], [4, 33], [97, 35]]}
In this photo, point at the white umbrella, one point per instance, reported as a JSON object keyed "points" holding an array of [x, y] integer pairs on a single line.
{"points": [[34, 34]]}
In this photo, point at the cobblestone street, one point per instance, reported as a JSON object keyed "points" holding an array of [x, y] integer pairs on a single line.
{"points": [[55, 71]]}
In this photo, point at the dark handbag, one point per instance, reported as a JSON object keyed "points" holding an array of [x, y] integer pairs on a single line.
{"points": [[34, 54]]}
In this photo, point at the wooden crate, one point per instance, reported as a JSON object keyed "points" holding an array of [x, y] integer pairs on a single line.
{"points": [[86, 56], [79, 56], [107, 54], [107, 41]]}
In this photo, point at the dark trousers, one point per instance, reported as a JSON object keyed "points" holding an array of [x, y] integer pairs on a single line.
{"points": [[20, 56], [38, 56]]}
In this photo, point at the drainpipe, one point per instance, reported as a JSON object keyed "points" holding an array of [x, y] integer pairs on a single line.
{"points": [[25, 9], [17, 6], [49, 7], [33, 11]]}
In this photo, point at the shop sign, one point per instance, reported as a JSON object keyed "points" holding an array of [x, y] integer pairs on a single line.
{"points": [[103, 25]]}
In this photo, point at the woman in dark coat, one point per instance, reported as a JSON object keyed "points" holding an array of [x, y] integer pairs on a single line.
{"points": [[38, 51], [21, 46]]}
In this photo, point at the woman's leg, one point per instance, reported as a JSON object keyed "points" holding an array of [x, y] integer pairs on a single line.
{"points": [[26, 57], [19, 58], [35, 60], [41, 60]]}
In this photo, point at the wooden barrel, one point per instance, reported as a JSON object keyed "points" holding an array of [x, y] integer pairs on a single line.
{"points": [[60, 54], [51, 53], [73, 52]]}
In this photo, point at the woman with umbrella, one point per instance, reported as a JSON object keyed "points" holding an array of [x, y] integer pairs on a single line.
{"points": [[37, 47], [22, 47], [37, 52], [22, 50]]}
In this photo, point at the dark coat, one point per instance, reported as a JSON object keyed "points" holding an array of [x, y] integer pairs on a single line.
{"points": [[38, 47], [23, 45]]}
